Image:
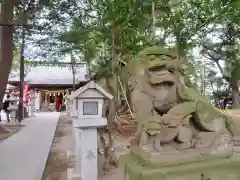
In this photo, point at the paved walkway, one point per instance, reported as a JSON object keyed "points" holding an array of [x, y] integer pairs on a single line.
{"points": [[23, 156]]}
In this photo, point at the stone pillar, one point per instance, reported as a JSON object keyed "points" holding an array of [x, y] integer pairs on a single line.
{"points": [[86, 153], [74, 114], [31, 103], [69, 106], [48, 99], [62, 93], [68, 103], [37, 101], [77, 135], [55, 98]]}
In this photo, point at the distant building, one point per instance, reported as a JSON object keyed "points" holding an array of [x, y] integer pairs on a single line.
{"points": [[50, 83]]}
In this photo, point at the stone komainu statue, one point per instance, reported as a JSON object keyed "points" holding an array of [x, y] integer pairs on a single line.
{"points": [[172, 115]]}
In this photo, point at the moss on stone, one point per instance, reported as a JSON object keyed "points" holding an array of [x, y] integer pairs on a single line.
{"points": [[157, 50], [140, 170], [183, 108]]}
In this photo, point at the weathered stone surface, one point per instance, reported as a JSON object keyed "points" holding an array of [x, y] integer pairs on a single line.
{"points": [[185, 134], [185, 145], [205, 139], [171, 112]]}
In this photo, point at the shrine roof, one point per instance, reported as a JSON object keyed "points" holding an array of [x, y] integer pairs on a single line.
{"points": [[53, 75]]}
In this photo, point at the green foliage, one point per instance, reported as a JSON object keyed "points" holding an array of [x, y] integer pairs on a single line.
{"points": [[95, 30], [16, 60], [102, 68], [225, 52]]}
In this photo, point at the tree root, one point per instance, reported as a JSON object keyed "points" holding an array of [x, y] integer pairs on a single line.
{"points": [[110, 160]]}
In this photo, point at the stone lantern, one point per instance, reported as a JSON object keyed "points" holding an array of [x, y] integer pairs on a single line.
{"points": [[13, 107], [87, 118]]}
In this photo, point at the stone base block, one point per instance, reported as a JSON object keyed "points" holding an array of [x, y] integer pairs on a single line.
{"points": [[72, 175], [219, 169]]}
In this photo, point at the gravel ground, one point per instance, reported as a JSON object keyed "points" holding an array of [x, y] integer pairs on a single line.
{"points": [[56, 167], [7, 130], [121, 147]]}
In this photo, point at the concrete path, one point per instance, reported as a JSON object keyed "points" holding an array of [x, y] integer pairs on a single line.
{"points": [[23, 156]]}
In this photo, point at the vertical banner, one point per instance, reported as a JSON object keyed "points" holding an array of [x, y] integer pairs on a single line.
{"points": [[25, 93]]}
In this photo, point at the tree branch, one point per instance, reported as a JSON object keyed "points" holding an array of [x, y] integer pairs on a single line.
{"points": [[224, 10]]}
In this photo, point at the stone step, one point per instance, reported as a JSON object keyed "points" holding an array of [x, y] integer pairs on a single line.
{"points": [[70, 158], [72, 174], [70, 152]]}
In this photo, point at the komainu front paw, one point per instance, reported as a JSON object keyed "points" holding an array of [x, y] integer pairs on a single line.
{"points": [[205, 139], [223, 143]]}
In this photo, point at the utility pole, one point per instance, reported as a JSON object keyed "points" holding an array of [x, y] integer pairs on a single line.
{"points": [[21, 103]]}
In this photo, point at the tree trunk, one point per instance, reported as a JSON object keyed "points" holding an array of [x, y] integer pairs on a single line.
{"points": [[181, 54], [89, 70], [153, 27], [231, 33], [73, 72], [202, 71], [88, 59], [6, 45], [108, 153], [181, 57], [113, 88], [235, 92]]}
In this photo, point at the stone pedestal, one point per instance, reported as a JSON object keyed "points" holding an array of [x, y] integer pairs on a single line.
{"points": [[219, 169], [86, 162], [87, 154]]}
